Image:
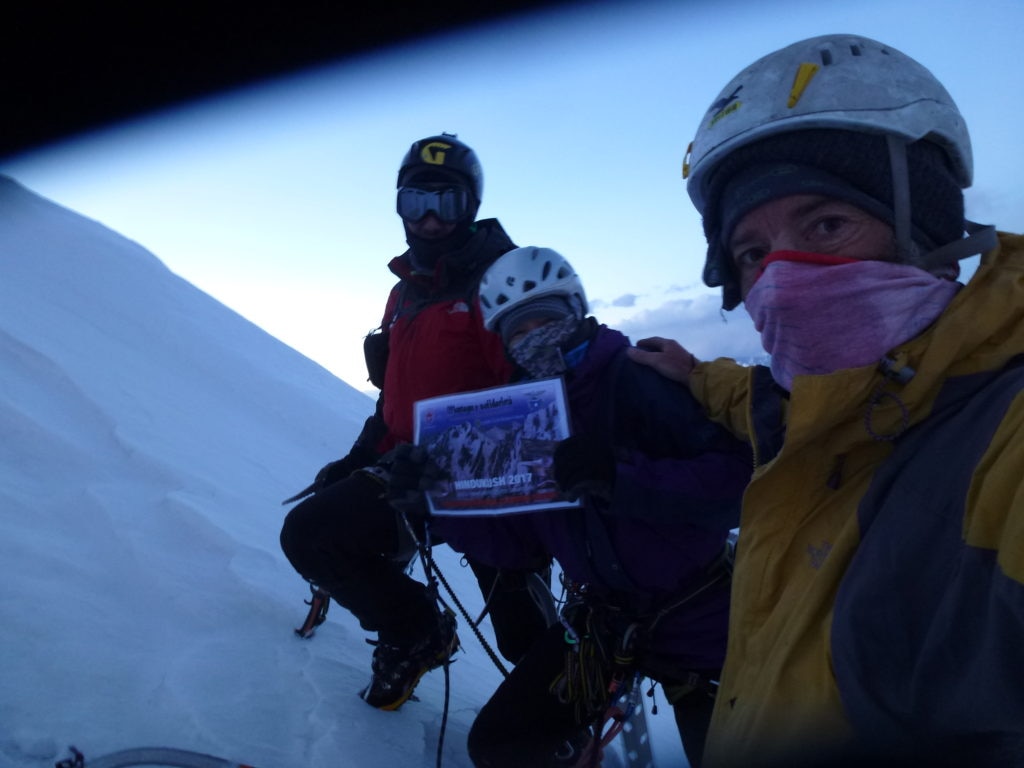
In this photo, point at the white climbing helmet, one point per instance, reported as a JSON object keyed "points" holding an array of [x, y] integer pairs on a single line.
{"points": [[526, 274]]}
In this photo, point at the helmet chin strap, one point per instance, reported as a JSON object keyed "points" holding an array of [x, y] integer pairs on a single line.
{"points": [[900, 196], [981, 237]]}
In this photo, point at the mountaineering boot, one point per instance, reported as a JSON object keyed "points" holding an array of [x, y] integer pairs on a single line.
{"points": [[397, 668]]}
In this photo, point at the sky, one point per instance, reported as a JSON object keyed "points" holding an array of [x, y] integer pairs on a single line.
{"points": [[278, 199], [149, 435]]}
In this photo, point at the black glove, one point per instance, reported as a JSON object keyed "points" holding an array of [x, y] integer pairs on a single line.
{"points": [[331, 473], [337, 470], [583, 465], [411, 472]]}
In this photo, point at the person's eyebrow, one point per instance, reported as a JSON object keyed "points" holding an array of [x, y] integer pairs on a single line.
{"points": [[812, 205]]}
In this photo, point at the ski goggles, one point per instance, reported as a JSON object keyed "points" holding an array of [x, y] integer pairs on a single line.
{"points": [[449, 204]]}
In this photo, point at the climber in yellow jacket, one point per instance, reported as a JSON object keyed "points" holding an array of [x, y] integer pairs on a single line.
{"points": [[878, 596]]}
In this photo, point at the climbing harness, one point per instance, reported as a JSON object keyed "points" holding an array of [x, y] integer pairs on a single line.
{"points": [[602, 676]]}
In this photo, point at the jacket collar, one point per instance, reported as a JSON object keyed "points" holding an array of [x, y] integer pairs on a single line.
{"points": [[460, 264]]}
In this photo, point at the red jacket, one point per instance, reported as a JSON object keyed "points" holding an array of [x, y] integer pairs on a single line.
{"points": [[437, 344]]}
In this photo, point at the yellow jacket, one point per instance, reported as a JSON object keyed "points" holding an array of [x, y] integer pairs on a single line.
{"points": [[878, 594]]}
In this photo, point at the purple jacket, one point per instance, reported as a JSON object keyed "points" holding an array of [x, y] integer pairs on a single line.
{"points": [[679, 480]]}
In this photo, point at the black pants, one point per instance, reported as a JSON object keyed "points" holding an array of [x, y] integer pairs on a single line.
{"points": [[525, 724], [519, 604], [349, 541]]}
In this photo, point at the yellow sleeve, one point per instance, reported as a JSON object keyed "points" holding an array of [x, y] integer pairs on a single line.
{"points": [[722, 387]]}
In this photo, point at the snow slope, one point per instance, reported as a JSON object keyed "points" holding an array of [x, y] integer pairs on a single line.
{"points": [[147, 436]]}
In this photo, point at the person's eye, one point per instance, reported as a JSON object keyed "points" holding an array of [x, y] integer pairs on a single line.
{"points": [[829, 226], [748, 257]]}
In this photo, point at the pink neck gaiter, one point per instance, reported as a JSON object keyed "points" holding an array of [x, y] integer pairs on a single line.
{"points": [[817, 314]]}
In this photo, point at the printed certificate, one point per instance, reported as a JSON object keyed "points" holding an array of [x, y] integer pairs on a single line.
{"points": [[496, 446]]}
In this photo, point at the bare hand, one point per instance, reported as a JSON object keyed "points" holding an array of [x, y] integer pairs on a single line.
{"points": [[669, 358]]}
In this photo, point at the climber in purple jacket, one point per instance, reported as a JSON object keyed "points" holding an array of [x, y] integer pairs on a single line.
{"points": [[644, 556]]}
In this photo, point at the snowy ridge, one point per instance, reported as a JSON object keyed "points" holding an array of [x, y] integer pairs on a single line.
{"points": [[149, 434]]}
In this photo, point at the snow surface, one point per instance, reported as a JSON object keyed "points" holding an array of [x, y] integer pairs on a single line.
{"points": [[147, 436]]}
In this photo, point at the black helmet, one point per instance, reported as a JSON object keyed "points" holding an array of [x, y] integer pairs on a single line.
{"points": [[439, 157]]}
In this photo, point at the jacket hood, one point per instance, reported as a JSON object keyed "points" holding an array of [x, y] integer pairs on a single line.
{"points": [[983, 327], [980, 331]]}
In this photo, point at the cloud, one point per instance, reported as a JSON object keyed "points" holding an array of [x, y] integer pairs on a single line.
{"points": [[626, 300], [699, 325], [991, 205]]}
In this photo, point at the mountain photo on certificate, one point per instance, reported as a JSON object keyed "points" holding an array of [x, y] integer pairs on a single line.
{"points": [[495, 446]]}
